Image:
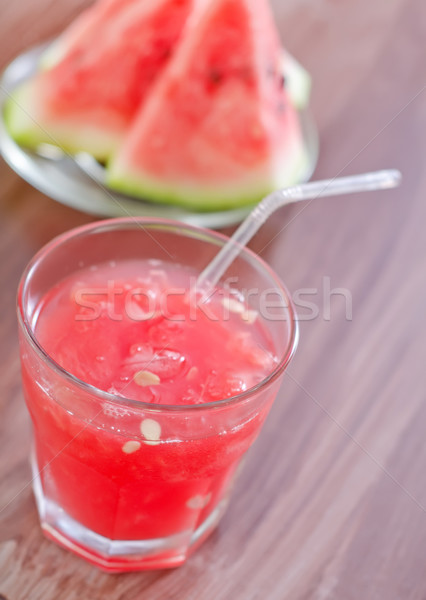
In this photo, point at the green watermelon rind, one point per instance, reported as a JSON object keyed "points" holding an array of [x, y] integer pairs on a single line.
{"points": [[205, 198], [29, 129], [298, 82]]}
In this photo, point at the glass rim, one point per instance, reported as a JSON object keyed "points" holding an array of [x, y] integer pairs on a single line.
{"points": [[182, 228]]}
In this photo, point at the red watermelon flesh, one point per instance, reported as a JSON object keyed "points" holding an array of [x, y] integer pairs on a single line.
{"points": [[218, 129], [97, 75]]}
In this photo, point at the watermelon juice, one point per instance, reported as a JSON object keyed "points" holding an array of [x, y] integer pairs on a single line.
{"points": [[143, 394]]}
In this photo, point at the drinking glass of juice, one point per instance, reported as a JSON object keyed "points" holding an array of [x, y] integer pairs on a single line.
{"points": [[144, 393]]}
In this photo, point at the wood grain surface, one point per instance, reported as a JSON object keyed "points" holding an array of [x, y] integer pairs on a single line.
{"points": [[332, 501]]}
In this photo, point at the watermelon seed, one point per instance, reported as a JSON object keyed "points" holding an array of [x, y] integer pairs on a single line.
{"points": [[166, 52], [151, 430], [215, 76], [192, 373], [198, 502], [131, 446], [145, 378]]}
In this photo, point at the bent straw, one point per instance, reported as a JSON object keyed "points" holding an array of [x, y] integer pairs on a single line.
{"points": [[378, 180]]}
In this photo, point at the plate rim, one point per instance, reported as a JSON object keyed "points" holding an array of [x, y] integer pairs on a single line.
{"points": [[33, 167]]}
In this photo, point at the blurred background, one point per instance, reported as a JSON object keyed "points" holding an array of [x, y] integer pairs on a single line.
{"points": [[332, 502]]}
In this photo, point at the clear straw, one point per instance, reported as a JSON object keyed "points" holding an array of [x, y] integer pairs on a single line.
{"points": [[379, 180]]}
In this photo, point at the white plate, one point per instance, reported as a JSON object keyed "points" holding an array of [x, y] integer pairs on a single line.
{"points": [[78, 181]]}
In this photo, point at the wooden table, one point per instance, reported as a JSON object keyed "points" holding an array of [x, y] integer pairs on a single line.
{"points": [[332, 501]]}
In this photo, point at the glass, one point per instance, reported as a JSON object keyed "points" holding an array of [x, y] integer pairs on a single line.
{"points": [[123, 510]]}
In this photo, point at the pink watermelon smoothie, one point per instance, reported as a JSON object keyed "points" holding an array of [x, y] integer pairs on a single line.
{"points": [[134, 328]]}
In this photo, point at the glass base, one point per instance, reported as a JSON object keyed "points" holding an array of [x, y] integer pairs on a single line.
{"points": [[118, 556]]}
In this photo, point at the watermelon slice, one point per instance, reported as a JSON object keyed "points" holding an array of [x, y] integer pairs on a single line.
{"points": [[97, 75], [218, 129]]}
